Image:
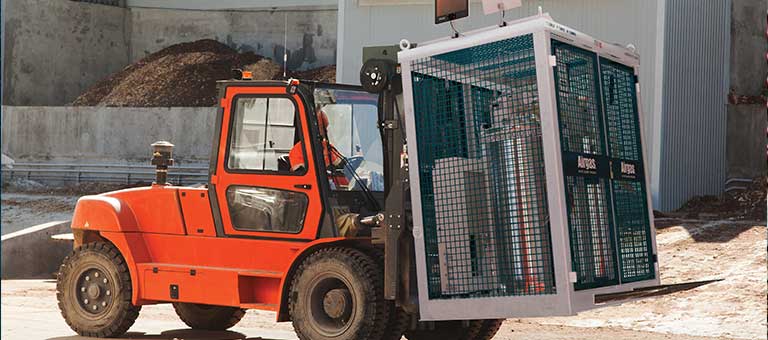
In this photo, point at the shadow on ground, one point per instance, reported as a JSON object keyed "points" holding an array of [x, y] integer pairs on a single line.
{"points": [[185, 334], [708, 231]]}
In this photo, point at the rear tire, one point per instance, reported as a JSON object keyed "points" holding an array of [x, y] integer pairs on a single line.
{"points": [[94, 291], [207, 317], [337, 293], [398, 323], [457, 330], [489, 329]]}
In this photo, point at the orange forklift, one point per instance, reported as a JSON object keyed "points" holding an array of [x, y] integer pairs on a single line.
{"points": [[262, 234], [520, 192]]}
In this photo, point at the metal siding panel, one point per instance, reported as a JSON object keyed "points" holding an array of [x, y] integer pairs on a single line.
{"points": [[694, 110], [620, 21]]}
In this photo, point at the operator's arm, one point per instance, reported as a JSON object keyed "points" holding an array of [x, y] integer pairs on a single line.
{"points": [[296, 157]]}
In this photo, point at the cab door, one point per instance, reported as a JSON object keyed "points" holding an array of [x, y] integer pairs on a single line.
{"points": [[256, 192]]}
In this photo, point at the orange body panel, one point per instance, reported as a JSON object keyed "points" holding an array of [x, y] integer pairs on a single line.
{"points": [[196, 209], [152, 209], [247, 273]]}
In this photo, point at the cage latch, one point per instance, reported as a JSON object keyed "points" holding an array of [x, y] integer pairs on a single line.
{"points": [[388, 124]]}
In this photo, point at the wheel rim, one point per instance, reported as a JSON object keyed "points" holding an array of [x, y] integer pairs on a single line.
{"points": [[331, 305], [95, 291]]}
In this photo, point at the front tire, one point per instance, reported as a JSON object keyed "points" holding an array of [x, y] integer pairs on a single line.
{"points": [[337, 293], [94, 291], [207, 317]]}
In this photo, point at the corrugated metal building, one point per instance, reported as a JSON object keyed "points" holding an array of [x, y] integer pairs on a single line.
{"points": [[684, 48]]}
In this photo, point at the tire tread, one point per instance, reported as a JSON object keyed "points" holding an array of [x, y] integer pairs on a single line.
{"points": [[363, 264], [128, 311]]}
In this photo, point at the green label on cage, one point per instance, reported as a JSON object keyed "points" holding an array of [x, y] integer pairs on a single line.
{"points": [[627, 170], [580, 164]]}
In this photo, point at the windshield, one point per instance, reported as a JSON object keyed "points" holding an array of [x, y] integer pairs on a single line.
{"points": [[352, 130]]}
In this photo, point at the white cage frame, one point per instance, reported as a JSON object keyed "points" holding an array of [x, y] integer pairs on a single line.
{"points": [[566, 300]]}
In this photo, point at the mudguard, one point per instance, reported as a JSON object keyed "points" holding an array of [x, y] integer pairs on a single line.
{"points": [[109, 218], [103, 213]]}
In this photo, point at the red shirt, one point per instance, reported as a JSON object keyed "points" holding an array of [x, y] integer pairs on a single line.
{"points": [[296, 156]]}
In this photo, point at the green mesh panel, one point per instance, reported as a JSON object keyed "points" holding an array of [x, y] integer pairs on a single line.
{"points": [[635, 252], [629, 190], [481, 172], [591, 232], [577, 87], [620, 109], [599, 125], [578, 104]]}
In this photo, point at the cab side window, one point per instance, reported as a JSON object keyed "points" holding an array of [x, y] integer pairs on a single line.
{"points": [[263, 132], [265, 209]]}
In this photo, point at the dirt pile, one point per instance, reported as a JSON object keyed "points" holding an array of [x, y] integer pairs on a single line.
{"points": [[185, 75], [325, 74], [748, 204]]}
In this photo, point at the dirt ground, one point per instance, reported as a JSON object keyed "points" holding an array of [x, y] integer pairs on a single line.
{"points": [[22, 210], [29, 312], [740, 205], [28, 203], [689, 250], [692, 250]]}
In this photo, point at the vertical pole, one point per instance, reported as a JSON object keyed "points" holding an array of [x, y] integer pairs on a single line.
{"points": [[285, 45]]}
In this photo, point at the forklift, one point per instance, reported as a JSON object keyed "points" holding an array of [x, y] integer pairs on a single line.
{"points": [[468, 180]]}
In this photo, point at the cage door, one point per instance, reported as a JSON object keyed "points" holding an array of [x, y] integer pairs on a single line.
{"points": [[630, 203], [586, 167]]}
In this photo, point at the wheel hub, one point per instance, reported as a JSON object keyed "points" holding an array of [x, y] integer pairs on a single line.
{"points": [[94, 291], [337, 303]]}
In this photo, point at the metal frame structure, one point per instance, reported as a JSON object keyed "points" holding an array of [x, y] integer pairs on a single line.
{"points": [[566, 300]]}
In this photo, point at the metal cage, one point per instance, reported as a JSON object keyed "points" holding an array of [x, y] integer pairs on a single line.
{"points": [[528, 182]]}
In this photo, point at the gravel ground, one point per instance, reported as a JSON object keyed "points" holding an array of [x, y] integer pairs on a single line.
{"points": [[689, 250], [694, 251], [29, 312], [22, 210]]}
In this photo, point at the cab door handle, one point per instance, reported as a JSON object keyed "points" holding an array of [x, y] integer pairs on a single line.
{"points": [[303, 186]]}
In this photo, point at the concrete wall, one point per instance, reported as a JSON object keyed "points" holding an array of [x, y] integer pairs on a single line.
{"points": [[747, 122], [32, 254], [102, 134], [53, 50], [311, 33]]}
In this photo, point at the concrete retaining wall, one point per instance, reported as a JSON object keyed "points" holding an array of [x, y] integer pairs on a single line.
{"points": [[745, 147], [310, 34], [53, 50], [32, 254], [105, 134]]}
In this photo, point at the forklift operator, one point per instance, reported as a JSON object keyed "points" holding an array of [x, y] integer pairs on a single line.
{"points": [[330, 154], [347, 223]]}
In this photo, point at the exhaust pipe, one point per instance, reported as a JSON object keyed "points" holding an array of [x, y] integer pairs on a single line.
{"points": [[162, 158]]}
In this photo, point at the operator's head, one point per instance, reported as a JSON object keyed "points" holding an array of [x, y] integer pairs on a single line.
{"points": [[322, 120]]}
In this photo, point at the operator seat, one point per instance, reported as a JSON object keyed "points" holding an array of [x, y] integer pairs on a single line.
{"points": [[283, 164]]}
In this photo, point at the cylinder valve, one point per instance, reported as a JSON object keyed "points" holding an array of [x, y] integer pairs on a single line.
{"points": [[162, 158]]}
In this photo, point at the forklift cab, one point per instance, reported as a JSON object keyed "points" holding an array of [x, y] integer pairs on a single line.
{"points": [[252, 182]]}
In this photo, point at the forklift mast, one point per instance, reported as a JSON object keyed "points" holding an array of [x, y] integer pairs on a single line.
{"points": [[381, 74]]}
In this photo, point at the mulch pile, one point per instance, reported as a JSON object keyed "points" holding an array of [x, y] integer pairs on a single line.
{"points": [[748, 204], [180, 75], [325, 74]]}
